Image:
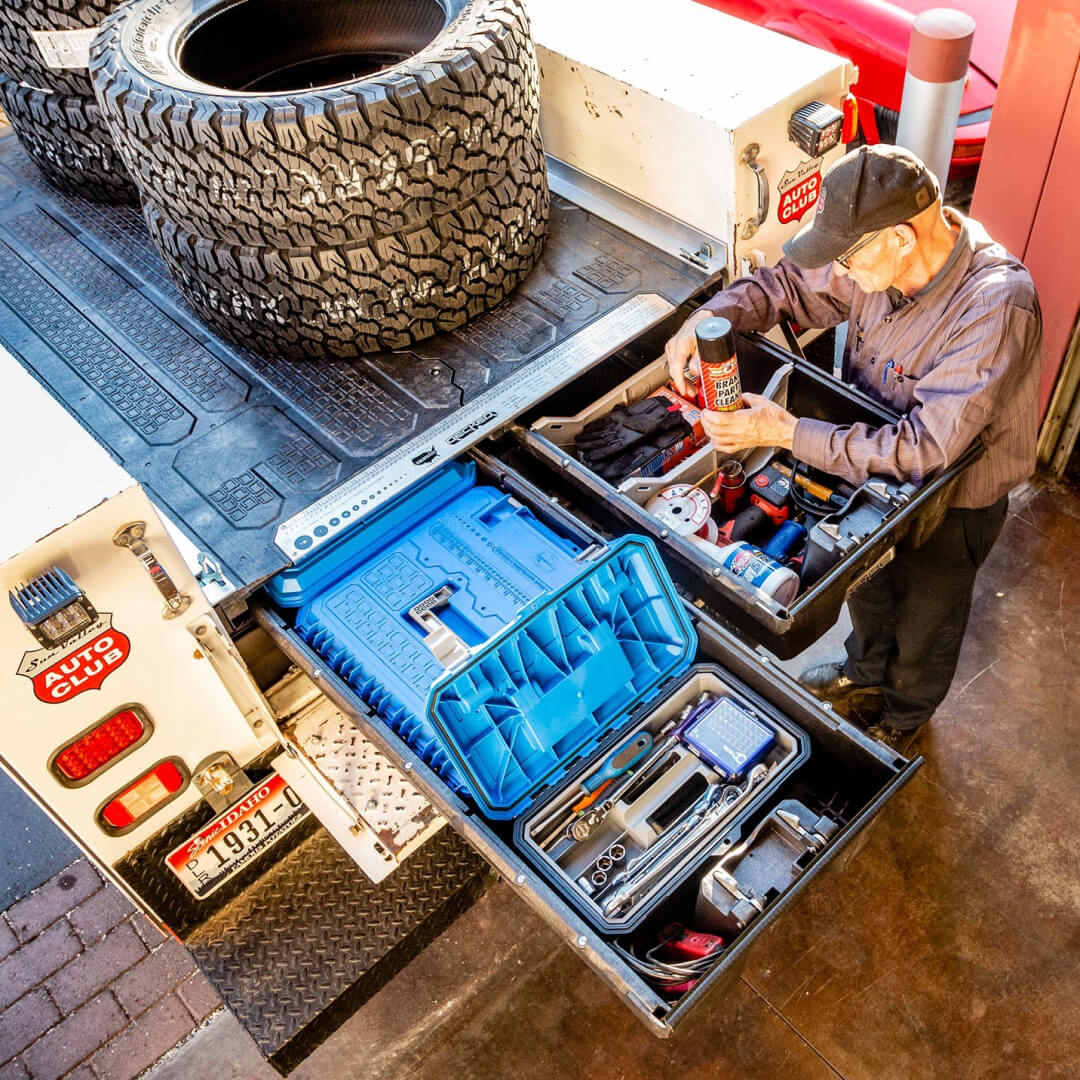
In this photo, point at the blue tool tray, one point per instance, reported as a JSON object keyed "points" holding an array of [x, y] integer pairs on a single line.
{"points": [[493, 554]]}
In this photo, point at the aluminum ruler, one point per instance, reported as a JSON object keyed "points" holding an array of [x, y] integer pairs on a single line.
{"points": [[366, 490]]}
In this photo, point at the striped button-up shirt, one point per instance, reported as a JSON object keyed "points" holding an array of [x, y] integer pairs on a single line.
{"points": [[959, 359]]}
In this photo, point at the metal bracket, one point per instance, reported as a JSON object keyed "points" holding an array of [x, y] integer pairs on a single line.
{"points": [[131, 537], [220, 781], [209, 571], [234, 674], [749, 159], [701, 257]]}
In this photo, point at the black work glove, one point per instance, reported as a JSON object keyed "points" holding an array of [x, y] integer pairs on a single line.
{"points": [[617, 469], [624, 427]]}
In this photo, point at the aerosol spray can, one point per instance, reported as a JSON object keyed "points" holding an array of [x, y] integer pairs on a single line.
{"points": [[753, 566], [720, 389]]}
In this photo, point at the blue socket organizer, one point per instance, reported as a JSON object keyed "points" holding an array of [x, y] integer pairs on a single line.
{"points": [[562, 649], [491, 553]]}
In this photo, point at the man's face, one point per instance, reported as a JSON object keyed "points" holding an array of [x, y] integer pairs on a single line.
{"points": [[877, 261]]}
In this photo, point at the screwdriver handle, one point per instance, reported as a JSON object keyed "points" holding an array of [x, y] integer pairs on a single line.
{"points": [[623, 758]]}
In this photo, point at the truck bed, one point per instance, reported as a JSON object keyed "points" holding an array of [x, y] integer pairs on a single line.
{"points": [[233, 445]]}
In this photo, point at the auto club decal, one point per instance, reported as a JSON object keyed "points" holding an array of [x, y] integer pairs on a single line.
{"points": [[799, 190], [82, 664]]}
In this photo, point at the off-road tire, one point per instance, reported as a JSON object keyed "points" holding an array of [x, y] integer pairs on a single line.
{"points": [[384, 293], [372, 157], [20, 58], [64, 136]]}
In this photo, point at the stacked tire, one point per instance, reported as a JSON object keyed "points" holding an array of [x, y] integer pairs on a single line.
{"points": [[335, 177], [51, 107]]}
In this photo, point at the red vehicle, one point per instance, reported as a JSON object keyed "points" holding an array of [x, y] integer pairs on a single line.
{"points": [[874, 34]]}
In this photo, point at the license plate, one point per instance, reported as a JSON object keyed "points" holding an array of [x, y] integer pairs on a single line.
{"points": [[230, 842]]}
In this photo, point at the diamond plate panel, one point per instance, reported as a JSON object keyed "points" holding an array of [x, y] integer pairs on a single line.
{"points": [[378, 792], [314, 938]]}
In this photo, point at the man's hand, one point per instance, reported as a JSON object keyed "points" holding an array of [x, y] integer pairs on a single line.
{"points": [[681, 353], [761, 423]]}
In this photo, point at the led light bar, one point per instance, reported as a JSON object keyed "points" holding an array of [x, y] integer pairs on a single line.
{"points": [[52, 607]]}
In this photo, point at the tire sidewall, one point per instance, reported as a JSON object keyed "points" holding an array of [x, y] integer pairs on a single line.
{"points": [[154, 30]]}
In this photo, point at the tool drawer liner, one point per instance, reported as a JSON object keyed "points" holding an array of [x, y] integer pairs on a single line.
{"points": [[558, 646]]}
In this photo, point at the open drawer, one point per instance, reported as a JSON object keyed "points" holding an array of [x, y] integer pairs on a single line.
{"points": [[843, 543], [838, 780]]}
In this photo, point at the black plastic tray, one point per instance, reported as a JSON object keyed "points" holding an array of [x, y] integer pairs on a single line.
{"points": [[231, 443], [811, 393]]}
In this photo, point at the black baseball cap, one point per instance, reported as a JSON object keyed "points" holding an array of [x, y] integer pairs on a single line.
{"points": [[870, 188]]}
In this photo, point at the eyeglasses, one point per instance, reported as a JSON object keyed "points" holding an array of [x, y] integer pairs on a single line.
{"points": [[845, 259]]}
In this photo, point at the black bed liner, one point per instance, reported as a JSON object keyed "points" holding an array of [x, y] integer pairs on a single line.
{"points": [[230, 443]]}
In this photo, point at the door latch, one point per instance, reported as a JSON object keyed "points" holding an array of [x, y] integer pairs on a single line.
{"points": [[131, 537]]}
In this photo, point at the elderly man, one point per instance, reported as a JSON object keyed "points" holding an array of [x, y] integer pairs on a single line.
{"points": [[943, 326]]}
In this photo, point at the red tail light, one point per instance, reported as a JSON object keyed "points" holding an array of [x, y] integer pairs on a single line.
{"points": [[82, 759], [139, 800]]}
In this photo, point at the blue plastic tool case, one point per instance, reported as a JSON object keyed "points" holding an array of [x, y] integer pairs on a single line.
{"points": [[552, 647], [489, 553]]}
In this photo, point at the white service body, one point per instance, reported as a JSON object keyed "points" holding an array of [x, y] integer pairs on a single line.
{"points": [[184, 672], [661, 100]]}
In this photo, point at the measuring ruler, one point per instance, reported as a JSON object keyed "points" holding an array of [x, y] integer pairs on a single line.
{"points": [[368, 489]]}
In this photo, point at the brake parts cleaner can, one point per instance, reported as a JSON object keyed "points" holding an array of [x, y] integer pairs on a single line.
{"points": [[720, 389]]}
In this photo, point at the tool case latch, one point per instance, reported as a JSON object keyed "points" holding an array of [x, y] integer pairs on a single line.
{"points": [[443, 643]]}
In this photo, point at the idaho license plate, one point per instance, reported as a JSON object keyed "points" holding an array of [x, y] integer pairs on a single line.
{"points": [[230, 842]]}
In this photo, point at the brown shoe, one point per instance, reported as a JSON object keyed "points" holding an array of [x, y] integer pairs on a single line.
{"points": [[900, 739], [830, 682]]}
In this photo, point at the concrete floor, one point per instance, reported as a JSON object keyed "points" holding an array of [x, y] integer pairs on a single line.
{"points": [[950, 947]]}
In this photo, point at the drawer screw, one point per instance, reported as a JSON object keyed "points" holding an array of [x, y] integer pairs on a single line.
{"points": [[316, 673], [582, 941], [664, 534], [520, 879], [407, 766]]}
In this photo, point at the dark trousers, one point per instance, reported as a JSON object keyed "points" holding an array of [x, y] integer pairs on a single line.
{"points": [[909, 619]]}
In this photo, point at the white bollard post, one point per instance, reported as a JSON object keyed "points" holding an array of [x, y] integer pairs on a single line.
{"points": [[933, 86]]}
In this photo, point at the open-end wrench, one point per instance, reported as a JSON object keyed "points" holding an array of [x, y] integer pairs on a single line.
{"points": [[657, 860]]}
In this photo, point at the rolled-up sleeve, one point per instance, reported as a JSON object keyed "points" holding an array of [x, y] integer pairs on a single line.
{"points": [[812, 298], [980, 366]]}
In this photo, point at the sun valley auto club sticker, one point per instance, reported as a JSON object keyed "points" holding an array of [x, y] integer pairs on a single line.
{"points": [[799, 190], [83, 663]]}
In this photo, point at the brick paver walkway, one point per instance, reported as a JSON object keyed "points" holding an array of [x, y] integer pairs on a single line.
{"points": [[89, 988]]}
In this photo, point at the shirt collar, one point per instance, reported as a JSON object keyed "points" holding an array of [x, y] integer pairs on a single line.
{"points": [[939, 290]]}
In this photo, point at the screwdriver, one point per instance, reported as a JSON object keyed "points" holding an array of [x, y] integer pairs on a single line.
{"points": [[819, 491], [621, 761]]}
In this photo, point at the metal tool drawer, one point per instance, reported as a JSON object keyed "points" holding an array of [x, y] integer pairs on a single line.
{"points": [[546, 435], [844, 775]]}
